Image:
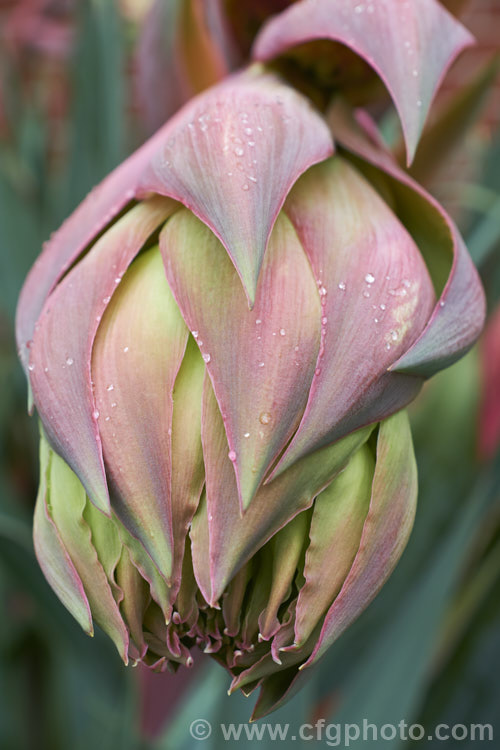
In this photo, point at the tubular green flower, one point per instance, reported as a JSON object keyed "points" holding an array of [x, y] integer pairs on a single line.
{"points": [[219, 343]]}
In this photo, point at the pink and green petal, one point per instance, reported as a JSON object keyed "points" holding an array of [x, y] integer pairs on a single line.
{"points": [[376, 296], [231, 157], [458, 317], [66, 502], [61, 350], [385, 532], [287, 548], [223, 540], [337, 523], [94, 213], [261, 362], [53, 556], [137, 354], [409, 45]]}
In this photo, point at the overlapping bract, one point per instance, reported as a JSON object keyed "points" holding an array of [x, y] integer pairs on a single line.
{"points": [[219, 342]]}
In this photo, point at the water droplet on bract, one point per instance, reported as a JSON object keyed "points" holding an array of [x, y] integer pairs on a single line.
{"points": [[106, 300], [382, 306], [125, 349], [359, 9], [195, 334], [442, 303], [69, 361], [282, 332], [415, 73], [324, 320], [106, 419], [232, 456], [118, 279], [258, 322], [245, 186], [246, 434], [369, 278], [261, 364], [45, 369], [296, 348], [110, 387], [31, 367], [366, 294], [206, 357], [239, 151], [113, 405], [248, 131], [317, 371], [394, 335], [419, 102], [342, 286], [375, 320], [265, 417], [387, 346], [96, 414]]}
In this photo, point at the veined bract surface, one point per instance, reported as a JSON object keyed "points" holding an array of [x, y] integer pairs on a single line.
{"points": [[219, 344]]}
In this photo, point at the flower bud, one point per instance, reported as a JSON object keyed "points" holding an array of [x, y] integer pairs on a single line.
{"points": [[220, 342]]}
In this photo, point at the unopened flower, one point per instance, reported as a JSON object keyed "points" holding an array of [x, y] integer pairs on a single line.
{"points": [[219, 343]]}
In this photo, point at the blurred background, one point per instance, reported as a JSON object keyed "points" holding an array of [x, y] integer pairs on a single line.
{"points": [[81, 85]]}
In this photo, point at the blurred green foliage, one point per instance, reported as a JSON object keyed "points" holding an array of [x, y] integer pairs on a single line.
{"points": [[427, 650]]}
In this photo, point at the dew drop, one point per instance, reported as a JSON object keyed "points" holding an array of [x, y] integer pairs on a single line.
{"points": [[206, 357], [366, 294], [261, 364], [324, 320], [195, 334], [113, 405], [342, 286], [239, 151], [382, 306], [96, 413], [110, 387], [394, 335], [246, 434], [69, 361], [369, 278], [31, 367], [282, 332], [232, 456], [125, 349], [258, 322], [265, 417], [245, 187]]}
